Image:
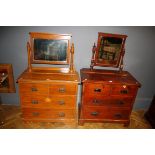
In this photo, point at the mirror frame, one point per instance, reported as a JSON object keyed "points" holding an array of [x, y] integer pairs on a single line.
{"points": [[122, 50], [36, 35]]}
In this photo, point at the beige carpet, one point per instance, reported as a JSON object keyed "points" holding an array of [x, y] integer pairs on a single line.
{"points": [[10, 118]]}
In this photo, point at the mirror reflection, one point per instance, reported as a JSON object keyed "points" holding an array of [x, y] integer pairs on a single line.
{"points": [[109, 48], [50, 50], [4, 81]]}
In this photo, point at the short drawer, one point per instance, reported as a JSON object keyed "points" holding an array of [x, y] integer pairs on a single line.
{"points": [[62, 89], [118, 114], [31, 113], [111, 102], [105, 113], [124, 90], [33, 88], [96, 89], [55, 102]]}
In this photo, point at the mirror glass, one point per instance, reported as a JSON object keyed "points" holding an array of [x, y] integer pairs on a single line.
{"points": [[109, 49], [4, 80], [50, 50]]}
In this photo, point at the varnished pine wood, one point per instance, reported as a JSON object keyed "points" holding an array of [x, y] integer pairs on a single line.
{"points": [[49, 94]]}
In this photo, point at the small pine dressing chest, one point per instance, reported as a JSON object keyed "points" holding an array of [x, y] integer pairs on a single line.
{"points": [[107, 95]]}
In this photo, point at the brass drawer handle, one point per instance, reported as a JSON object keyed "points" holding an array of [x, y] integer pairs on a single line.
{"points": [[97, 90], [34, 102], [61, 114], [124, 91], [118, 116], [35, 113], [94, 113], [62, 90], [34, 89], [61, 102]]}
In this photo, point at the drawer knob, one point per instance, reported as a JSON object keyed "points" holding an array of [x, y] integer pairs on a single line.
{"points": [[124, 91], [118, 116], [62, 90], [97, 90], [35, 113], [34, 89], [61, 102], [61, 114], [34, 102], [94, 113]]}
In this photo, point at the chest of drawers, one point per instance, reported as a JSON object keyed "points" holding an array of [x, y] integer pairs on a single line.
{"points": [[107, 96], [47, 97]]}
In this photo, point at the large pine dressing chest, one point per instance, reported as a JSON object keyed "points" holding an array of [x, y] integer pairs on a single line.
{"points": [[49, 94]]}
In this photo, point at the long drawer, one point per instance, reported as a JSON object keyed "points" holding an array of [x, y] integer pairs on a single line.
{"points": [[36, 113], [105, 113], [105, 101], [60, 102]]}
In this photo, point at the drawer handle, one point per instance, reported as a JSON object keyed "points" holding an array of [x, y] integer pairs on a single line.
{"points": [[118, 116], [61, 114], [34, 89], [120, 102], [61, 102], [95, 101], [94, 113], [62, 90], [97, 90], [34, 102], [35, 113], [124, 91]]}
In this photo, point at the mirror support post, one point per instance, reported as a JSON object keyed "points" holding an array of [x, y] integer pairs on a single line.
{"points": [[93, 57], [121, 64], [29, 57], [72, 69]]}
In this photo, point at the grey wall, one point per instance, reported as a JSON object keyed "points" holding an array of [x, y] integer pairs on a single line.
{"points": [[139, 58]]}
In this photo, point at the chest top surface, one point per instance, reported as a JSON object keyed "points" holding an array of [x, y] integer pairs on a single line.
{"points": [[48, 76], [107, 76]]}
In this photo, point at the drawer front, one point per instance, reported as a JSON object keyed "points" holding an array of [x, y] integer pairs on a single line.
{"points": [[105, 113], [111, 102], [33, 88], [30, 113], [67, 102], [119, 114], [62, 89], [94, 89], [124, 90]]}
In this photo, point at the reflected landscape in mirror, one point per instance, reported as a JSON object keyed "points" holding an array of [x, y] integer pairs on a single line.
{"points": [[50, 50]]}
